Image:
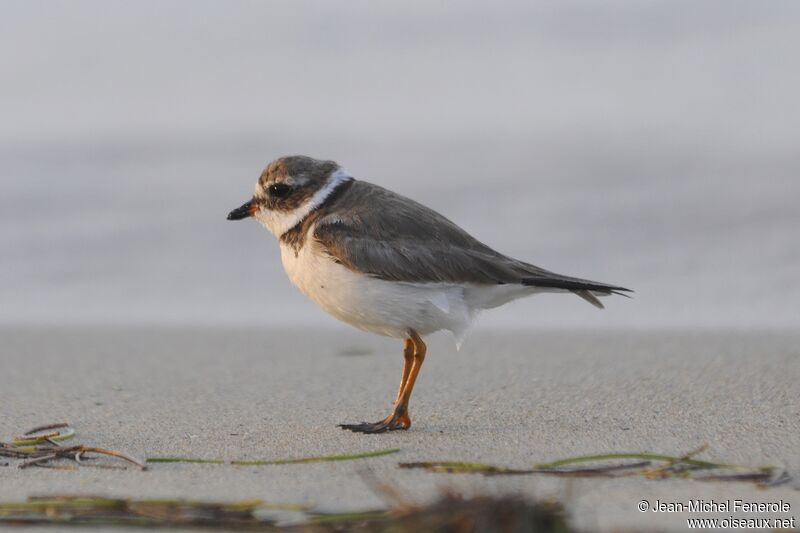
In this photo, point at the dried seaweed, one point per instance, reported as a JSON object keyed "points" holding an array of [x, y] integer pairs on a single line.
{"points": [[458, 467], [88, 510], [650, 465], [259, 462], [42, 450], [191, 460], [450, 513], [462, 467], [322, 458]]}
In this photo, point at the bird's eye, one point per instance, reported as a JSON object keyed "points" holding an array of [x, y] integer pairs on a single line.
{"points": [[279, 190]]}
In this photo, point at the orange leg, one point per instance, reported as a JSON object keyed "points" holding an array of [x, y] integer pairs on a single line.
{"points": [[414, 352], [408, 353], [401, 405]]}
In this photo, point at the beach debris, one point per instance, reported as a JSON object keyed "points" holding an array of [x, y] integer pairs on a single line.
{"points": [[260, 462], [190, 460], [507, 514], [41, 447], [649, 465], [45, 434], [463, 467], [96, 510], [482, 514]]}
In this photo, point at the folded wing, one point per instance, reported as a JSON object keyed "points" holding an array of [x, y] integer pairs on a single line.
{"points": [[390, 237]]}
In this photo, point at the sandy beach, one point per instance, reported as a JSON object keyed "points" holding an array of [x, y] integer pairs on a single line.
{"points": [[649, 145], [507, 398]]}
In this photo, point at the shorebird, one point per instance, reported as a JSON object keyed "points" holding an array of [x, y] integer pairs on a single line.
{"points": [[387, 264]]}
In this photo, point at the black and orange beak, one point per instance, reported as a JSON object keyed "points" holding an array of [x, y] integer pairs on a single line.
{"points": [[245, 210]]}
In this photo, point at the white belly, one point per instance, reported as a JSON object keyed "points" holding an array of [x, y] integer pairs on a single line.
{"points": [[386, 307], [382, 307]]}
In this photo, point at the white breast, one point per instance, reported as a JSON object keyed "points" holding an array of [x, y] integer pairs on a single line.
{"points": [[382, 307]]}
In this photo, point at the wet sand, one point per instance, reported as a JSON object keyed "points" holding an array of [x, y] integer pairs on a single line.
{"points": [[507, 398]]}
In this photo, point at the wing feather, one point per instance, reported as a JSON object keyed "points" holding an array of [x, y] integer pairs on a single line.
{"points": [[372, 230]]}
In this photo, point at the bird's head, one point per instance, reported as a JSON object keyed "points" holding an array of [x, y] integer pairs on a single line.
{"points": [[288, 190]]}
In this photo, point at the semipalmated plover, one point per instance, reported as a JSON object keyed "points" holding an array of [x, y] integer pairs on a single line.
{"points": [[386, 264]]}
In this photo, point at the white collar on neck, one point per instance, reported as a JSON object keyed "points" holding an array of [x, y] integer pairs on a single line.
{"points": [[280, 222]]}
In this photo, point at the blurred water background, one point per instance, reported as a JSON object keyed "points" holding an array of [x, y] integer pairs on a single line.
{"points": [[650, 144]]}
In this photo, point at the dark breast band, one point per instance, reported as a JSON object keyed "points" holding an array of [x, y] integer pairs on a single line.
{"points": [[296, 235]]}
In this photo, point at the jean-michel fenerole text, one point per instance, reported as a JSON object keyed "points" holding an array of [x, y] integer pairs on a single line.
{"points": [[721, 506]]}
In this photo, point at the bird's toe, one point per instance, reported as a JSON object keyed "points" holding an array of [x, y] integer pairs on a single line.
{"points": [[390, 424]]}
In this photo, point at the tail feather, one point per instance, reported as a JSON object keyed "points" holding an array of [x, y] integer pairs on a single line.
{"points": [[584, 288], [589, 297]]}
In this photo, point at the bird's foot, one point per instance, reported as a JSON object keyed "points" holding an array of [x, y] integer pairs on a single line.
{"points": [[392, 422]]}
